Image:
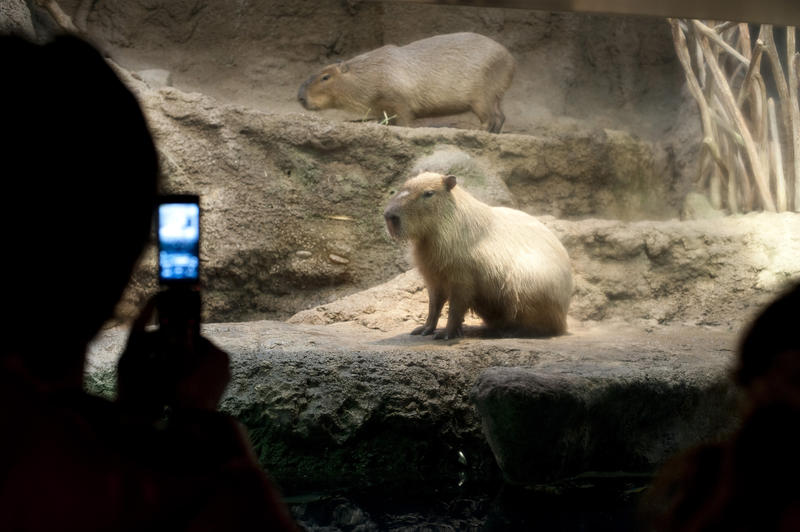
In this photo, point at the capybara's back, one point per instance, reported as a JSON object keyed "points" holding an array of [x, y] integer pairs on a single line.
{"points": [[501, 263], [533, 291], [440, 75]]}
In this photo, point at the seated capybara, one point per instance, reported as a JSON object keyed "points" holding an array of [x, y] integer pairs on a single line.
{"points": [[501, 263], [441, 75]]}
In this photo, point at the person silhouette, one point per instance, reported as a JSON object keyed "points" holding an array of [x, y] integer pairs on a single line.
{"points": [[745, 482], [80, 173]]}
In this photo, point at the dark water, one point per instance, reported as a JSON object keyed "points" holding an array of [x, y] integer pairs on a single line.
{"points": [[586, 503]]}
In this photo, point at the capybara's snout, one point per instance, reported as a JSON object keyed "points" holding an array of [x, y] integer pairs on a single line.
{"points": [[392, 222], [301, 95]]}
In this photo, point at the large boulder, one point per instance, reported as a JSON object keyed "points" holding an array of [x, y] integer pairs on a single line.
{"points": [[547, 424], [16, 19], [341, 406]]}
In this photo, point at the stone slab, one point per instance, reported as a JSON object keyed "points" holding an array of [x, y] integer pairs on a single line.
{"points": [[342, 405]]}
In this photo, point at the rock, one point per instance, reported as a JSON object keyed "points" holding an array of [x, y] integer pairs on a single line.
{"points": [[698, 207], [338, 259], [472, 174], [302, 182], [549, 424], [156, 78], [291, 178], [15, 19], [341, 405]]}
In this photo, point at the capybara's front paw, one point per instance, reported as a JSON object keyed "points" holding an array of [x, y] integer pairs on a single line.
{"points": [[423, 330]]}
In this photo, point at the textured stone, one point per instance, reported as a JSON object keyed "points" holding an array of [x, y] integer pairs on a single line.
{"points": [[342, 405], [545, 425]]}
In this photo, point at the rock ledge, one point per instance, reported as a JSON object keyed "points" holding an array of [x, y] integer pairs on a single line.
{"points": [[342, 405]]}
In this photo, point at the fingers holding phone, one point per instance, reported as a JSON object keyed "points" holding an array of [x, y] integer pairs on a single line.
{"points": [[173, 365]]}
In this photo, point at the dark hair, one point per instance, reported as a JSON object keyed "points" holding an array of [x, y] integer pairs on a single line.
{"points": [[80, 178], [776, 330]]}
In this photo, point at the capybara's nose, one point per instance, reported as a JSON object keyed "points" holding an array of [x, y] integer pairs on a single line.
{"points": [[301, 95], [392, 222]]}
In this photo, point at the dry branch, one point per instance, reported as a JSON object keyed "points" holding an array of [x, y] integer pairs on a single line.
{"points": [[708, 32], [63, 20], [776, 158], [694, 86], [735, 114], [751, 155], [794, 110]]}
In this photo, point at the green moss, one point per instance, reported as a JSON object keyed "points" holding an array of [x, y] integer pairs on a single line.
{"points": [[101, 382]]}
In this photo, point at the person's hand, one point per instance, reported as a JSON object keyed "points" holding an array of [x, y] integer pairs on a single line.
{"points": [[179, 369], [203, 386]]}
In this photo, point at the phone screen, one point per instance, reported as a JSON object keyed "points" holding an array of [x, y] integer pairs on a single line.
{"points": [[178, 241]]}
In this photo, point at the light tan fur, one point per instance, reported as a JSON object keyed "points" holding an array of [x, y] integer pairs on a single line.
{"points": [[441, 75], [501, 263]]}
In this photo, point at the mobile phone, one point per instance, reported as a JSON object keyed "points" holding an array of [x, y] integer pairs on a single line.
{"points": [[178, 231]]}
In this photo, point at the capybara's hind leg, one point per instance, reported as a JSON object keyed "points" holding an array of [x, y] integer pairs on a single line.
{"points": [[497, 119], [482, 111]]}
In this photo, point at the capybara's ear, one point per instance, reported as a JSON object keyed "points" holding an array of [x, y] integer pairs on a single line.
{"points": [[450, 182], [342, 66]]}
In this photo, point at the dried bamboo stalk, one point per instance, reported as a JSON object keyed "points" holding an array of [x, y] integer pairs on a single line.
{"points": [[723, 124], [719, 28], [794, 113], [761, 120], [797, 65], [715, 188], [755, 66], [751, 146], [82, 13], [682, 50], [62, 19], [777, 158], [728, 174], [729, 103], [748, 198], [788, 120], [711, 34], [698, 56], [744, 41]]}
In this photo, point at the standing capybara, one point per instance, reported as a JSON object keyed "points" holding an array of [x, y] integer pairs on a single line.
{"points": [[501, 263], [441, 75]]}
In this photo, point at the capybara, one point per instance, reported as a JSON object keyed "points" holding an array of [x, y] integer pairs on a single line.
{"points": [[441, 75], [501, 263]]}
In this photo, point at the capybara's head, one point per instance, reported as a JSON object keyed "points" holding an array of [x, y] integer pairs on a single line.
{"points": [[323, 89], [421, 207]]}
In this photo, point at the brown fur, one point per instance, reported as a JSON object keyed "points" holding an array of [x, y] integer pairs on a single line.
{"points": [[441, 75], [501, 263]]}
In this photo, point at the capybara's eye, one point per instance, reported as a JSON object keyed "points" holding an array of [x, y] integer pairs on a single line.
{"points": [[326, 77], [428, 193]]}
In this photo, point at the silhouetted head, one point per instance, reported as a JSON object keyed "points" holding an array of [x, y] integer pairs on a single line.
{"points": [[79, 181], [768, 367]]}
